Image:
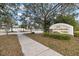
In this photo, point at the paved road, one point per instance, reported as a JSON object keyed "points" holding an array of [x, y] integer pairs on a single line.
{"points": [[3, 33], [33, 48], [26, 31]]}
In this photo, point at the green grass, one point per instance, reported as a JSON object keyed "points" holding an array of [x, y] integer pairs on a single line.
{"points": [[65, 47], [9, 46]]}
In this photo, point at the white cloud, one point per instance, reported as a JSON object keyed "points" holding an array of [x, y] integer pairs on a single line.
{"points": [[19, 14], [22, 7]]}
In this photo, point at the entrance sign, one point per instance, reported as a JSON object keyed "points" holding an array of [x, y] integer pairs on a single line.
{"points": [[62, 28]]}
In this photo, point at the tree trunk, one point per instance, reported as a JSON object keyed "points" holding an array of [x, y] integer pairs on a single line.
{"points": [[11, 29], [6, 29], [31, 29], [45, 25]]}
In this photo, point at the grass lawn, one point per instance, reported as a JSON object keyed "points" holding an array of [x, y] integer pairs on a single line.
{"points": [[9, 46], [65, 47]]}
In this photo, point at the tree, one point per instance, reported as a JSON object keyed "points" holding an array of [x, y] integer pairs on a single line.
{"points": [[43, 11], [23, 25], [47, 12], [12, 23], [7, 23], [68, 19], [77, 26], [6, 14]]}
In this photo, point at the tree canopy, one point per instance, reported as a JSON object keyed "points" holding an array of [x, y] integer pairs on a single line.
{"points": [[43, 14]]}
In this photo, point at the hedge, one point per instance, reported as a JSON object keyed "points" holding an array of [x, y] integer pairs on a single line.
{"points": [[59, 36], [76, 33]]}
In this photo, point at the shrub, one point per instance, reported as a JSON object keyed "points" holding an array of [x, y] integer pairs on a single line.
{"points": [[76, 33], [46, 34], [58, 36], [32, 32], [56, 32], [61, 36]]}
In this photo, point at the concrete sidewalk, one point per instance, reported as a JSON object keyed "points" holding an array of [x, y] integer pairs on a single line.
{"points": [[33, 48]]}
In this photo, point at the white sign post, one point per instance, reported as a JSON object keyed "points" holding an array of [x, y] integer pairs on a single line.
{"points": [[62, 28]]}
